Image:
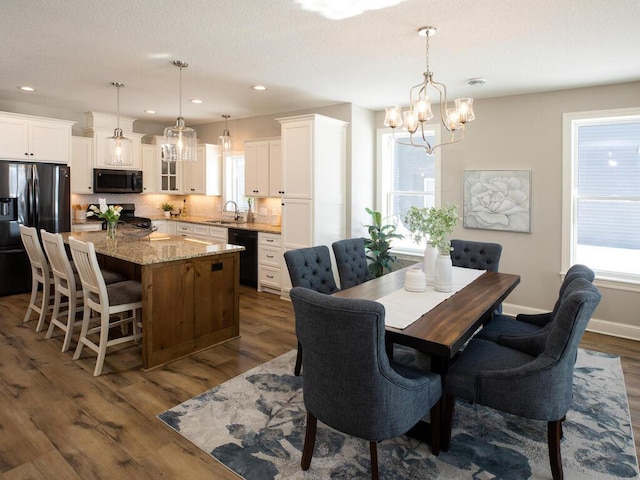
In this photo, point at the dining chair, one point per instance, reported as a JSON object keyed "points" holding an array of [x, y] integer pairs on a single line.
{"points": [[349, 383], [477, 255], [105, 301], [66, 284], [40, 276], [310, 268], [351, 261], [538, 386], [529, 331]]}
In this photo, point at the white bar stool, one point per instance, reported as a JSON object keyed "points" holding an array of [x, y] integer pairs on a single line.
{"points": [[40, 275]]}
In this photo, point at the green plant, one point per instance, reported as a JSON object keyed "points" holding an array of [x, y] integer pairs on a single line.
{"points": [[167, 207], [379, 245], [435, 223]]}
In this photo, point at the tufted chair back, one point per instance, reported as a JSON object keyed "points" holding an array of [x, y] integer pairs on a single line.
{"points": [[311, 268], [351, 260], [478, 255]]}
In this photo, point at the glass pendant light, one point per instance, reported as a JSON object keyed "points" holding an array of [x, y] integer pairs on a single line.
{"points": [[180, 141], [119, 148], [225, 138]]}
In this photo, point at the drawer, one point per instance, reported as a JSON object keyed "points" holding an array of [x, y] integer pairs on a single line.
{"points": [[269, 256], [270, 239], [218, 233], [269, 276], [184, 228], [86, 227]]}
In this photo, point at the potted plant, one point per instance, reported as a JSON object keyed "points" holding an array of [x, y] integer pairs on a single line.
{"points": [[379, 244], [110, 213], [167, 207], [435, 224]]}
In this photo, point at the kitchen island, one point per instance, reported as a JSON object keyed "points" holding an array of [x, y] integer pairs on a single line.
{"points": [[190, 297]]}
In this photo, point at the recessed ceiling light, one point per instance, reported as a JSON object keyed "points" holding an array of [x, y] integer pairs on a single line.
{"points": [[477, 82], [195, 100], [149, 111], [258, 88], [25, 88]]}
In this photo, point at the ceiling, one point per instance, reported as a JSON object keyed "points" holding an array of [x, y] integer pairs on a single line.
{"points": [[71, 50]]}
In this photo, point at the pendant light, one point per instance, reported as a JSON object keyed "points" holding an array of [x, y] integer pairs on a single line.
{"points": [[119, 148], [225, 138], [180, 141]]}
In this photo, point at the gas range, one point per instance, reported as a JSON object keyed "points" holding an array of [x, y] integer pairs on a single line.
{"points": [[128, 216]]}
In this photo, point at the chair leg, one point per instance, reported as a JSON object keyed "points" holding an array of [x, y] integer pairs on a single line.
{"points": [[373, 449], [449, 411], [436, 422], [555, 434], [298, 366], [86, 319], [309, 441], [32, 300], [57, 300], [71, 321], [44, 308], [102, 343]]}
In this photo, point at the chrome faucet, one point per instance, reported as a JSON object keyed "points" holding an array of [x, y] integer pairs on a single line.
{"points": [[235, 212]]}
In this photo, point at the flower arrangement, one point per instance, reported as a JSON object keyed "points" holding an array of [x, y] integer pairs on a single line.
{"points": [[435, 223], [167, 207], [110, 213]]}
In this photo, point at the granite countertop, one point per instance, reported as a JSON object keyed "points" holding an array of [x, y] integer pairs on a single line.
{"points": [[151, 249], [258, 227]]}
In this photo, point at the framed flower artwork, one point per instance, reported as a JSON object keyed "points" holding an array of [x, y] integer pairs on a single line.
{"points": [[497, 200]]}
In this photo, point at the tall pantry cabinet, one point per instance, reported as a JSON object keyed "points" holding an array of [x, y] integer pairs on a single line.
{"points": [[314, 153]]}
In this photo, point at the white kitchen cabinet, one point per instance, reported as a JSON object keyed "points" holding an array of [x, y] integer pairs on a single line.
{"points": [[171, 227], [262, 177], [314, 188], [197, 231], [28, 138], [161, 225], [86, 227], [149, 169], [82, 165], [269, 262], [204, 176]]}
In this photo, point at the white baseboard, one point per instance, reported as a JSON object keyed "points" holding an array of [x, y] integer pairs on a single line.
{"points": [[595, 325]]}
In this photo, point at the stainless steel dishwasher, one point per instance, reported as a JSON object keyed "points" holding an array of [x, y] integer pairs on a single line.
{"points": [[249, 257]]}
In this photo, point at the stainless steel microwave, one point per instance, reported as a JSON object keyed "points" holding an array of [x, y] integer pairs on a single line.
{"points": [[117, 181]]}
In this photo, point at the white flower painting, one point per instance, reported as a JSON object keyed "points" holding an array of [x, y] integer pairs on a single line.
{"points": [[497, 200]]}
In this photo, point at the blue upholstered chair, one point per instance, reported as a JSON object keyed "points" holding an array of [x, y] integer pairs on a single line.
{"points": [[478, 255], [526, 332], [349, 382], [310, 268], [537, 386], [351, 260]]}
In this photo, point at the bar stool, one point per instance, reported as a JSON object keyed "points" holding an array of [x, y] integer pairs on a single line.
{"points": [[105, 301], [67, 285], [40, 275]]}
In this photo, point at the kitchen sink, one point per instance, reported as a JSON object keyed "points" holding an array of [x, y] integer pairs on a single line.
{"points": [[222, 222]]}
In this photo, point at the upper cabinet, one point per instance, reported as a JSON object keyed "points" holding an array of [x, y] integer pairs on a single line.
{"points": [[149, 169], [81, 165], [101, 127], [28, 138], [262, 168], [202, 177]]}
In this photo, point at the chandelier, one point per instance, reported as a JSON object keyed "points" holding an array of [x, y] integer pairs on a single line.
{"points": [[180, 141], [225, 138], [119, 148], [453, 119]]}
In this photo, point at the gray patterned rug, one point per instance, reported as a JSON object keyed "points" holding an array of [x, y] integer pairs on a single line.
{"points": [[254, 425]]}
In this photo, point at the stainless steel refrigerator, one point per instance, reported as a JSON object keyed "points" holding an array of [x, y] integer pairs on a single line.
{"points": [[32, 194]]}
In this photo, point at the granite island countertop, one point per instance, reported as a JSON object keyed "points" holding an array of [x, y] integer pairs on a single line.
{"points": [[151, 249]]}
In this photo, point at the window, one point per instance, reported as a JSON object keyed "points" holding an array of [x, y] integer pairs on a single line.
{"points": [[407, 177], [601, 193], [234, 179]]}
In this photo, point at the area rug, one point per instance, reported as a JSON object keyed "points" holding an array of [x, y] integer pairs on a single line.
{"points": [[254, 425]]}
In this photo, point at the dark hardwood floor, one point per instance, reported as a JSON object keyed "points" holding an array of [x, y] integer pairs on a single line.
{"points": [[58, 421]]}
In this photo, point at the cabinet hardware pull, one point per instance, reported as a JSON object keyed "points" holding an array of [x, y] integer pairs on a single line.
{"points": [[269, 256], [269, 276]]}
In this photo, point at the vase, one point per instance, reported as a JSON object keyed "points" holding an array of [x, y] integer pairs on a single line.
{"points": [[111, 229], [167, 214], [429, 263], [444, 273]]}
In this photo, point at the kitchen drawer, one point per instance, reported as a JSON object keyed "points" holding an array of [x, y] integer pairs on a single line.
{"points": [[86, 227], [184, 228], [219, 234], [269, 276], [269, 256], [201, 230], [270, 239]]}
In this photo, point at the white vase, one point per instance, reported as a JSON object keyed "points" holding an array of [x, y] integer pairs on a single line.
{"points": [[167, 214], [444, 273], [429, 263]]}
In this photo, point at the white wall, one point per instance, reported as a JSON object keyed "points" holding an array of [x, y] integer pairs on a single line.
{"points": [[524, 132]]}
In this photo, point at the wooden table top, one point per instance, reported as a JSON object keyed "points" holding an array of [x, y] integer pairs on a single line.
{"points": [[445, 328]]}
